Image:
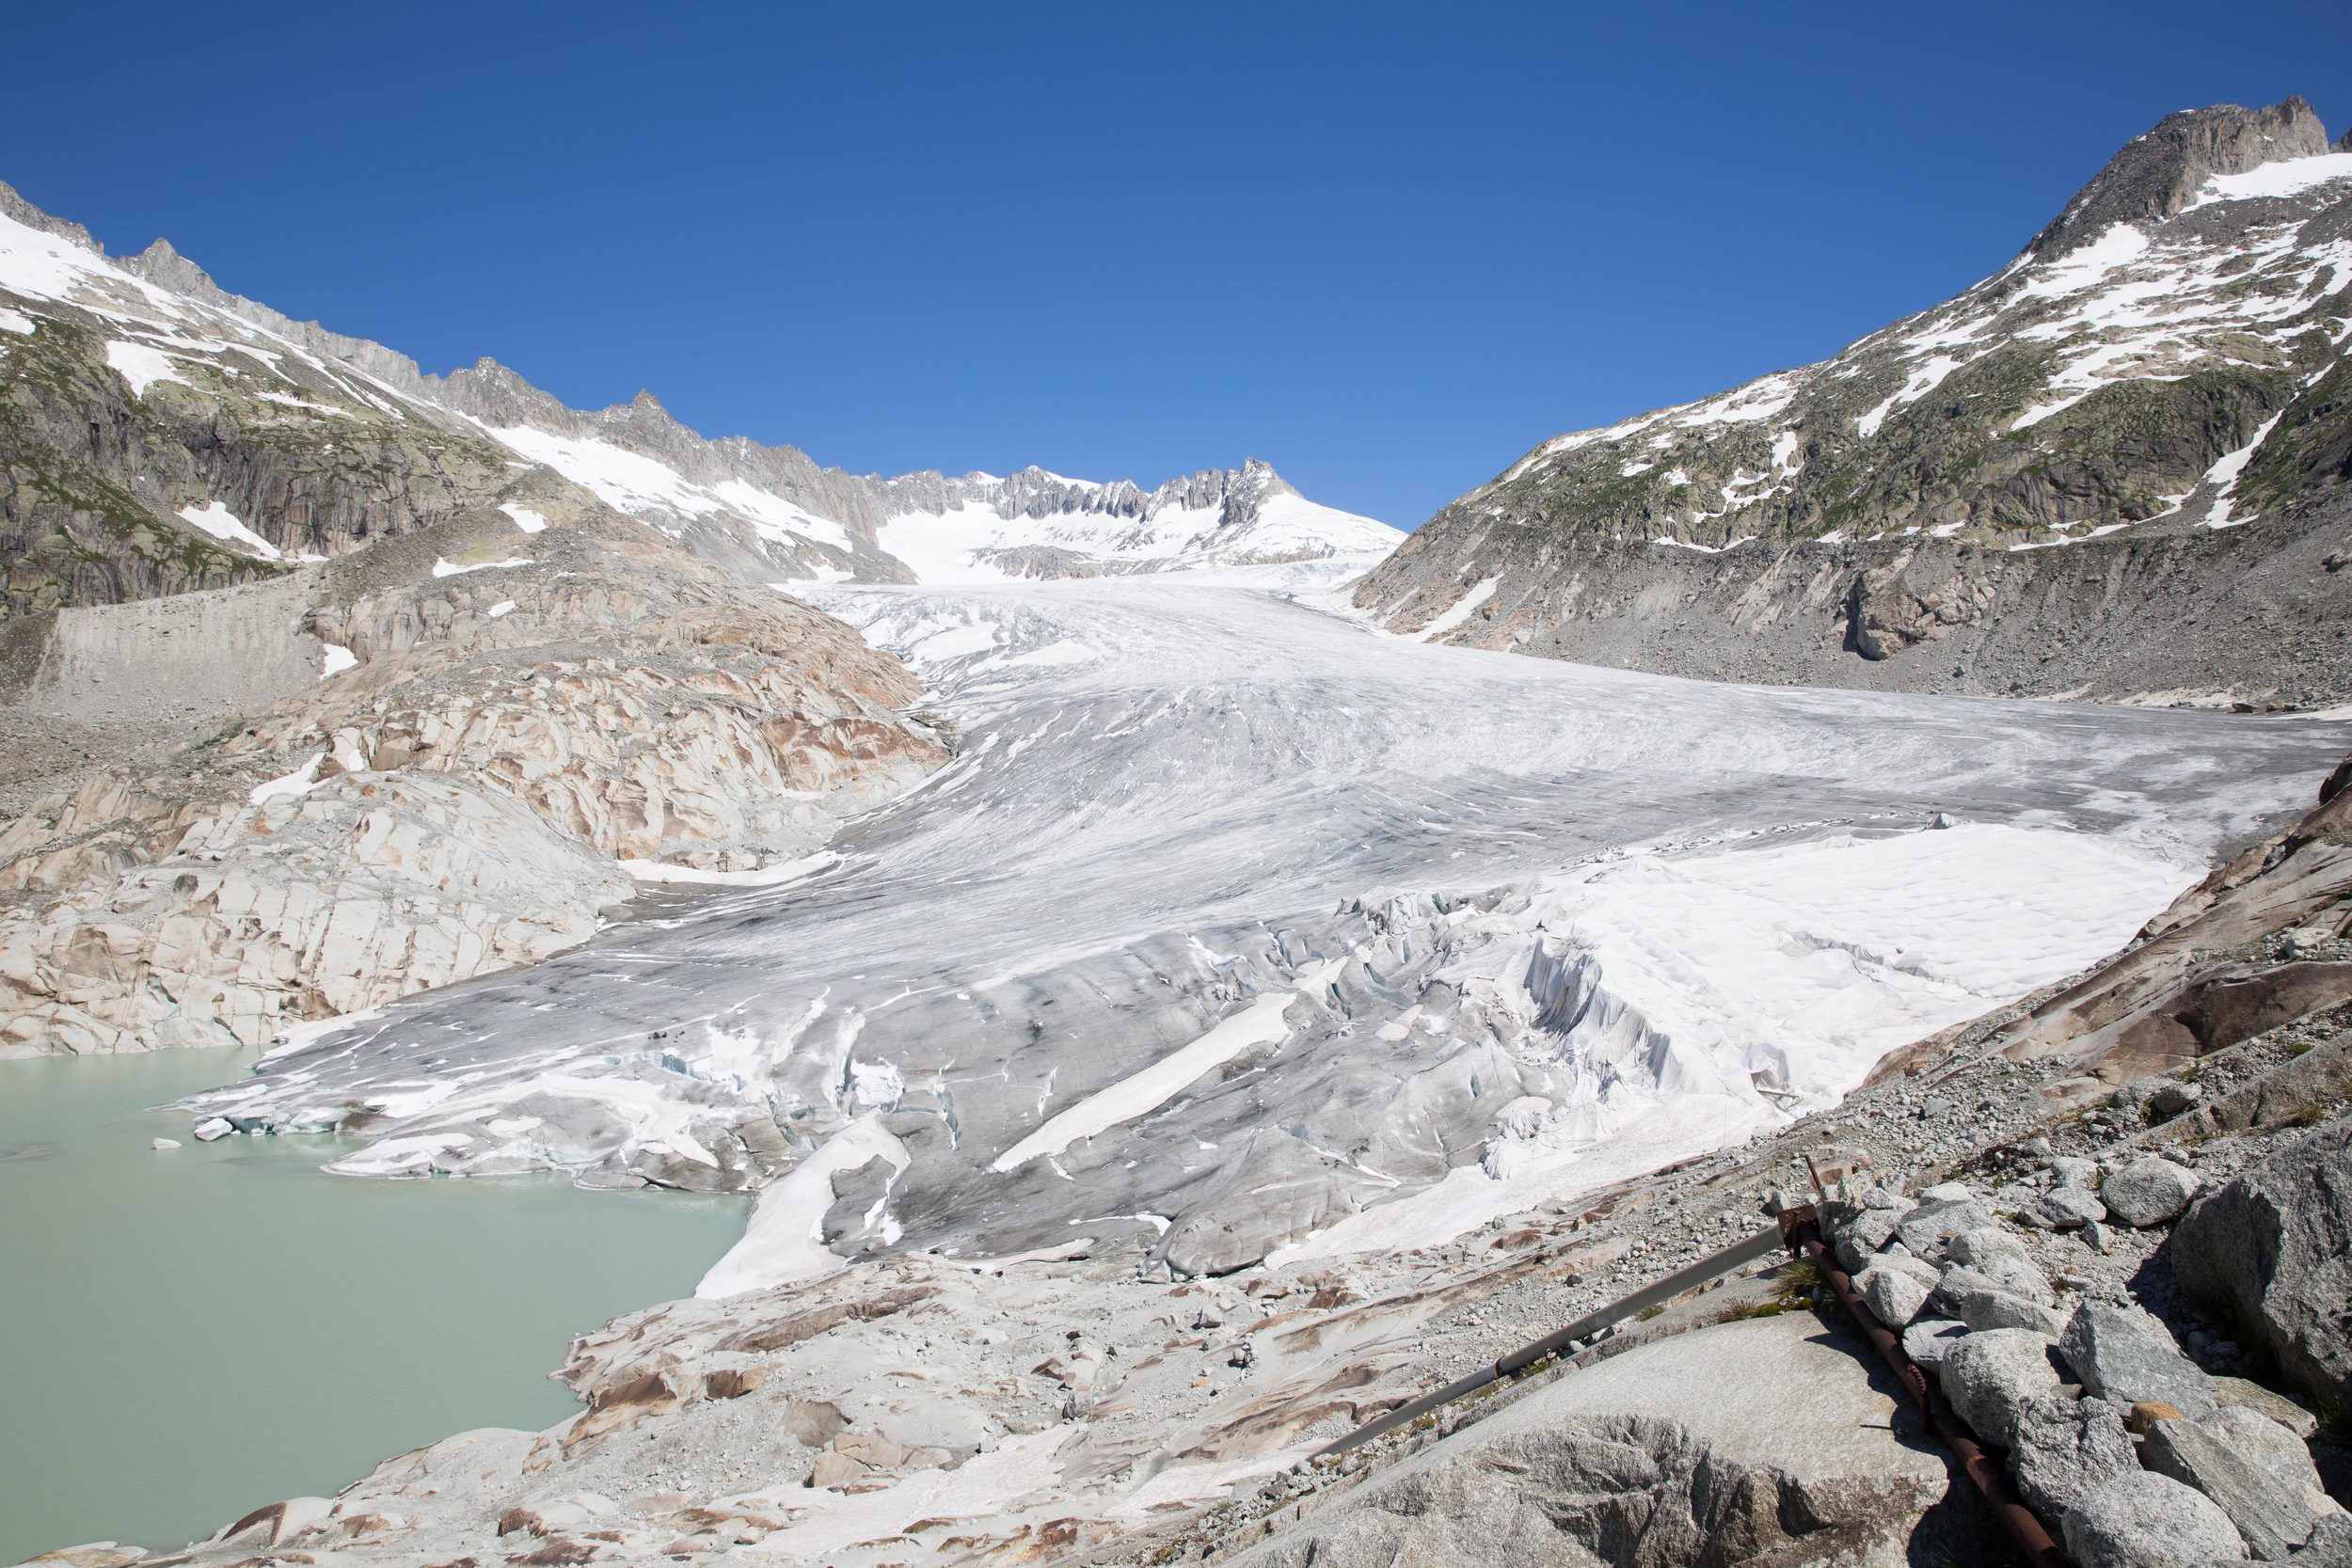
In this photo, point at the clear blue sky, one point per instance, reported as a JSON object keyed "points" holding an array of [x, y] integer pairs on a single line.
{"points": [[1386, 249]]}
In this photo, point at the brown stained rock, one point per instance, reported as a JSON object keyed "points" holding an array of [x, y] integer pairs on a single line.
{"points": [[794, 1327], [2217, 1012], [733, 1382], [556, 1552], [2147, 1412], [813, 1423], [617, 1408]]}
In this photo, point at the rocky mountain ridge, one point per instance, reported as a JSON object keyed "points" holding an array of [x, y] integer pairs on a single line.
{"points": [[312, 442], [325, 680], [2013, 492], [443, 754]]}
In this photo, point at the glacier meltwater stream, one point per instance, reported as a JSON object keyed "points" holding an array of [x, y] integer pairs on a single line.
{"points": [[1236, 930]]}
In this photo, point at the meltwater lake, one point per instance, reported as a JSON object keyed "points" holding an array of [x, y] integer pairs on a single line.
{"points": [[194, 1332]]}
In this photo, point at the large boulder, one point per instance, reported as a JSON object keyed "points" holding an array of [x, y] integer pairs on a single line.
{"points": [[1893, 1295], [2063, 1449], [2127, 1355], [1928, 1340], [2258, 1472], [2065, 1208], [1990, 1377], [1871, 1228], [1763, 1442], [2270, 1255], [2149, 1191], [1942, 1214], [2143, 1520]]}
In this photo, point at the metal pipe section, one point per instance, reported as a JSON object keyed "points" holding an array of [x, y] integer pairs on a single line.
{"points": [[2025, 1527], [1657, 1293]]}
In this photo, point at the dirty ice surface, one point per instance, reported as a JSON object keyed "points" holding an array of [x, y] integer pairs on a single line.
{"points": [[1234, 927]]}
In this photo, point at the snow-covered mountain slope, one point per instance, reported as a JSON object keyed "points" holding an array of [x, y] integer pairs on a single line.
{"points": [[1235, 926], [1212, 520], [2163, 364], [230, 434]]}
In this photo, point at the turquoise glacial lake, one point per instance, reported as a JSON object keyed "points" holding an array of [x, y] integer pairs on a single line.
{"points": [[194, 1332]]}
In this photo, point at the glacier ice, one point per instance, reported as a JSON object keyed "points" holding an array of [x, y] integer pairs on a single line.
{"points": [[1443, 932]]}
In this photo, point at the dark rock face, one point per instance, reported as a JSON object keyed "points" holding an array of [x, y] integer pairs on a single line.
{"points": [[93, 473], [2157, 174], [2271, 1255]]}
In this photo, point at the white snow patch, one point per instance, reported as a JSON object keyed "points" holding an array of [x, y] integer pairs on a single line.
{"points": [[447, 569], [778, 520], [300, 781], [15, 321], [1727, 992], [301, 1036], [2086, 265], [339, 659], [2225, 471], [827, 1523], [1457, 612], [2291, 177], [526, 519], [504, 607], [227, 527], [626, 480], [1259, 1024], [141, 366]]}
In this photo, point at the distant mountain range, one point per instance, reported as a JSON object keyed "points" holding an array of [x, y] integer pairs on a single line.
{"points": [[2114, 468], [158, 433]]}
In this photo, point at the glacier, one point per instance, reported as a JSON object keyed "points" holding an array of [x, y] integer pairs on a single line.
{"points": [[1238, 927]]}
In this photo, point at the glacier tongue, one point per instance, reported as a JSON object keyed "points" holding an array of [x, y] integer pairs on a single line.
{"points": [[1443, 930]]}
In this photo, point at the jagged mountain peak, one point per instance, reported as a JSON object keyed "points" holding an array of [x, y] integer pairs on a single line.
{"points": [[770, 510], [14, 206], [2158, 173], [2163, 365]]}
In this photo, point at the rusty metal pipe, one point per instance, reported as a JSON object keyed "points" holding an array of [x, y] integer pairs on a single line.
{"points": [[1656, 1294], [1801, 1226]]}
